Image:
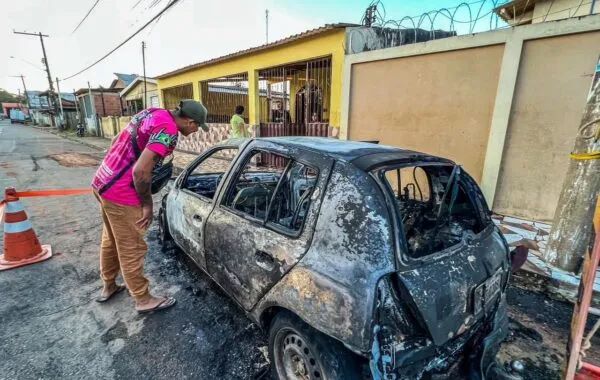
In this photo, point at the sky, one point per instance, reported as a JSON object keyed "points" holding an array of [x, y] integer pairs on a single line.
{"points": [[190, 32]]}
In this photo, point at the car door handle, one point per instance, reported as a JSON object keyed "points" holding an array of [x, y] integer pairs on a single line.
{"points": [[197, 217], [264, 260]]}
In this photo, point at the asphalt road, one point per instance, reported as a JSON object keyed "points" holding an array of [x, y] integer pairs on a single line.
{"points": [[51, 328]]}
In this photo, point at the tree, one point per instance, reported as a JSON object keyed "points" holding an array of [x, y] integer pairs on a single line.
{"points": [[7, 97]]}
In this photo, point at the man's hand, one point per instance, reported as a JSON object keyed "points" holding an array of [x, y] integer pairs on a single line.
{"points": [[142, 180], [146, 219]]}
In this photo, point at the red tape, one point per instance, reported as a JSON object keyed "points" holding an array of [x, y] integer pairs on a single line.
{"points": [[52, 192]]}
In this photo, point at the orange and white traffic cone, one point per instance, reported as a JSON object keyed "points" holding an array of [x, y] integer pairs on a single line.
{"points": [[21, 245]]}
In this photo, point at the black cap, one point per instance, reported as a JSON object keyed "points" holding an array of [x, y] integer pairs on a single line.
{"points": [[195, 111]]}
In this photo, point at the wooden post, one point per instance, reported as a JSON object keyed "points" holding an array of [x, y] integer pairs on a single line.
{"points": [[582, 305], [572, 229]]}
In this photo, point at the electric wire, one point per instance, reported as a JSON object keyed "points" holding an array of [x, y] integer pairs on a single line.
{"points": [[157, 16], [86, 16]]}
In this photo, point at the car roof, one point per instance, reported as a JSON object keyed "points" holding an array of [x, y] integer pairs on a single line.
{"points": [[364, 155]]}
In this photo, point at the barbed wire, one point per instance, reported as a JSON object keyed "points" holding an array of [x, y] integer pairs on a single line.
{"points": [[464, 18]]}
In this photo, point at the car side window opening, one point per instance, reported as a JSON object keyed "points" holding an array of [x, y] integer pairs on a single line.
{"points": [[434, 207], [253, 189], [274, 184], [291, 201], [206, 176]]}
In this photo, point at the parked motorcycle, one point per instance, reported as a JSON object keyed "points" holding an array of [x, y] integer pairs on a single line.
{"points": [[80, 130]]}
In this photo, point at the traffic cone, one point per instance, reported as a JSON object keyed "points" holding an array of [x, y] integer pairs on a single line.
{"points": [[21, 245]]}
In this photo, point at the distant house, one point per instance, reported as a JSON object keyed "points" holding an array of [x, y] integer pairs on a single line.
{"points": [[6, 107], [37, 102], [132, 96], [522, 12], [103, 102], [122, 80], [41, 110]]}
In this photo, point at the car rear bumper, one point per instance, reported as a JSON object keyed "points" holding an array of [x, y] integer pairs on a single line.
{"points": [[471, 356]]}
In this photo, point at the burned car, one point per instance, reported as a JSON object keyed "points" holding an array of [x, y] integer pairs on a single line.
{"points": [[346, 250]]}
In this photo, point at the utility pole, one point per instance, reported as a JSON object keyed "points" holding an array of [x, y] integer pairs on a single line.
{"points": [[144, 73], [572, 227], [77, 107], [45, 60], [62, 113], [370, 18], [267, 24], [93, 112], [24, 88]]}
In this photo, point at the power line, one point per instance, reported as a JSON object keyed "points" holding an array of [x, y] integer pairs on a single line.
{"points": [[173, 2], [27, 62], [86, 16]]}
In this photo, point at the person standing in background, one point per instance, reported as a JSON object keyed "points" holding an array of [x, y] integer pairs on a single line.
{"points": [[238, 126]]}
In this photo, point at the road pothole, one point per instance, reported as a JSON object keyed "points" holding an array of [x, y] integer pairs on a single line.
{"points": [[75, 159]]}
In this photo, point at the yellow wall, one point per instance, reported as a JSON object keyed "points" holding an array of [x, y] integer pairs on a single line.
{"points": [[326, 44]]}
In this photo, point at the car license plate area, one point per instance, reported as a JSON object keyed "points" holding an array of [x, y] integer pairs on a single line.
{"points": [[486, 292]]}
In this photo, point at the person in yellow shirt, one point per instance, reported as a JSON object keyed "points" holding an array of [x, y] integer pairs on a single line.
{"points": [[238, 126]]}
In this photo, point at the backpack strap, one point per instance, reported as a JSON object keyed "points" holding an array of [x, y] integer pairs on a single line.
{"points": [[136, 151]]}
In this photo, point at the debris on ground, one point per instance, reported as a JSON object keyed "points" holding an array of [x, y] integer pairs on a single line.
{"points": [[76, 159]]}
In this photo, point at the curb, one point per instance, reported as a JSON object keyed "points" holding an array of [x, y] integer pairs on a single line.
{"points": [[176, 169], [67, 137]]}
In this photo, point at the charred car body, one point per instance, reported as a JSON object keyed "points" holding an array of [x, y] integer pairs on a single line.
{"points": [[342, 248]]}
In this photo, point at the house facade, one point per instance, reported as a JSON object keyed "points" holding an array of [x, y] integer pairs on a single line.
{"points": [[523, 12], [132, 96]]}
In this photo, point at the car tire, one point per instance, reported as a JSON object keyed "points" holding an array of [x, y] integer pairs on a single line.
{"points": [[164, 236], [298, 351]]}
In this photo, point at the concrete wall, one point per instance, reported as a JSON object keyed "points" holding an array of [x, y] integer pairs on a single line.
{"points": [[505, 104], [435, 103], [550, 95], [112, 125]]}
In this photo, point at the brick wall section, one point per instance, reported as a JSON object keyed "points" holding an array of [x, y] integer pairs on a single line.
{"points": [[112, 104], [200, 141]]}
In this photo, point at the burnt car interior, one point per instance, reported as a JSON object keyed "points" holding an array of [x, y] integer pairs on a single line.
{"points": [[434, 206], [273, 184], [204, 179]]}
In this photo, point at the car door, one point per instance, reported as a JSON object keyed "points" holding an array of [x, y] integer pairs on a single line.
{"points": [[192, 201], [264, 219]]}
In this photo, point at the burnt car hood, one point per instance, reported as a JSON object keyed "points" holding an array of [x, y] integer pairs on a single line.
{"points": [[448, 293]]}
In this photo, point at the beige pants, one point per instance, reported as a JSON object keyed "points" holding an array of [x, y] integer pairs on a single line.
{"points": [[123, 247]]}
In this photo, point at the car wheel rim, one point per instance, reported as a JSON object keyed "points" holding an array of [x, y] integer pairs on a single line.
{"points": [[294, 358]]}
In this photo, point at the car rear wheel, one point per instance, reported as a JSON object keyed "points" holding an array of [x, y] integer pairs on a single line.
{"points": [[299, 352]]}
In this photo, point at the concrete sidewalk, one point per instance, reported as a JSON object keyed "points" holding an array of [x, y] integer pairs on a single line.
{"points": [[180, 159]]}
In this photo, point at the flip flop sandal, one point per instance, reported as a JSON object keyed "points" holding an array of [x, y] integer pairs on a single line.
{"points": [[102, 299], [165, 304]]}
